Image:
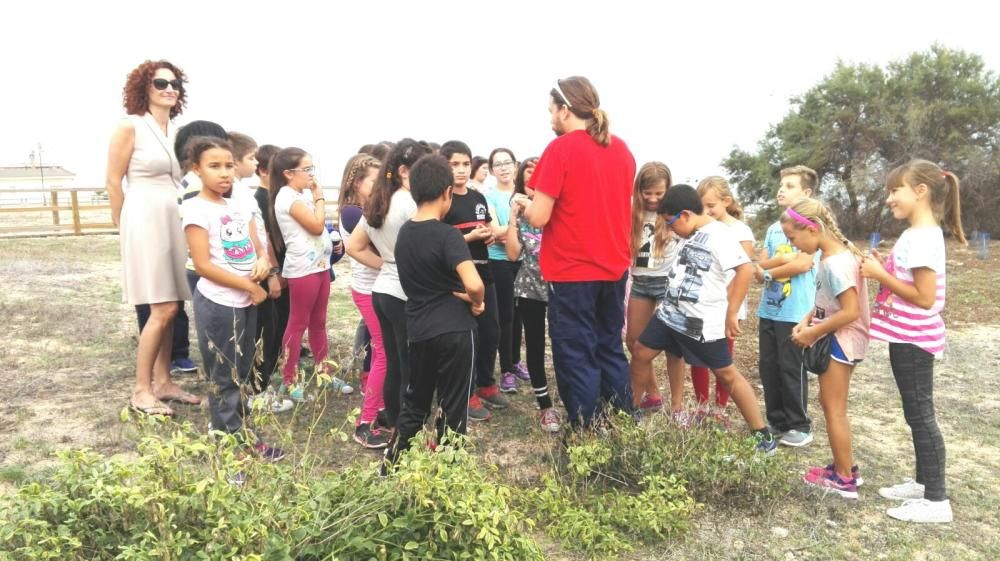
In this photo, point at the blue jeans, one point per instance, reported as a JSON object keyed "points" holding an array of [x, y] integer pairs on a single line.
{"points": [[585, 326]]}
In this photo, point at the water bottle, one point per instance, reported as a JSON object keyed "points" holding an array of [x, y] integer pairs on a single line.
{"points": [[983, 244], [873, 241]]}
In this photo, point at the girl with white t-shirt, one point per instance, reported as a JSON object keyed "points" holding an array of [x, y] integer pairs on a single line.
{"points": [[373, 243], [222, 236], [840, 313], [649, 270], [298, 212], [907, 315], [721, 205]]}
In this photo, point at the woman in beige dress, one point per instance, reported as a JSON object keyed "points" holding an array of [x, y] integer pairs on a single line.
{"points": [[146, 212]]}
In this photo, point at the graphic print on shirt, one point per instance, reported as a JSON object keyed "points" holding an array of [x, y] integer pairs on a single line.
{"points": [[697, 260], [818, 312], [236, 244], [779, 289], [645, 254], [883, 299]]}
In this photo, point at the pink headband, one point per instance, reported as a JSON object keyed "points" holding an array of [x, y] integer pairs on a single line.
{"points": [[802, 219]]}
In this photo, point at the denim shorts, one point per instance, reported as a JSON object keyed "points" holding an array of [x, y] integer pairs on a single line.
{"points": [[648, 287]]}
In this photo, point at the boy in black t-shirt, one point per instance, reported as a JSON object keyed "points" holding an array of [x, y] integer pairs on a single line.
{"points": [[470, 214], [443, 292]]}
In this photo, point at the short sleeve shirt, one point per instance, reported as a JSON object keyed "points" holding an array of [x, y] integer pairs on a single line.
{"points": [[229, 244]]}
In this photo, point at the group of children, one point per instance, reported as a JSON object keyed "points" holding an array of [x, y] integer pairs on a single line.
{"points": [[687, 298], [444, 276]]}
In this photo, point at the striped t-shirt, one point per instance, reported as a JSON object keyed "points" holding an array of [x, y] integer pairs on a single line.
{"points": [[897, 321]]}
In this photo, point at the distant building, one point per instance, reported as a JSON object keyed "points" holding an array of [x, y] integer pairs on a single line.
{"points": [[15, 179]]}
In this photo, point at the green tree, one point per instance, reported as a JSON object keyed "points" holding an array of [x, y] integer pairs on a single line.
{"points": [[862, 120]]}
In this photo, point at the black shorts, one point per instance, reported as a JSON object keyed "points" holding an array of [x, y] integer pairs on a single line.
{"points": [[712, 354]]}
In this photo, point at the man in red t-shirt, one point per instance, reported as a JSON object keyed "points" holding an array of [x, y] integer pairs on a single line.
{"points": [[583, 189]]}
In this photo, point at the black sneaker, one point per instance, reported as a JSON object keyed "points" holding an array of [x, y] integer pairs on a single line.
{"points": [[268, 453], [370, 438]]}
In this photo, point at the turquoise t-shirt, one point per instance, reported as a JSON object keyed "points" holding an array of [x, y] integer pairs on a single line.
{"points": [[500, 201], [787, 299]]}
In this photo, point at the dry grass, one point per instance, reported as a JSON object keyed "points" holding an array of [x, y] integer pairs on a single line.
{"points": [[67, 364]]}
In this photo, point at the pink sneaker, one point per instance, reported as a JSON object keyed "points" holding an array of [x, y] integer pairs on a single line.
{"points": [[833, 483], [549, 420], [855, 473], [649, 404]]}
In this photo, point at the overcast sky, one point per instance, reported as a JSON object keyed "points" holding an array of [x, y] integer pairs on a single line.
{"points": [[681, 84]]}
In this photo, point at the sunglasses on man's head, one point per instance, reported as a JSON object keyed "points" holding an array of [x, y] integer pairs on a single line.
{"points": [[162, 83]]}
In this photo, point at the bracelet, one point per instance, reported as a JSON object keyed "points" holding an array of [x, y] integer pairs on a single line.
{"points": [[319, 199]]}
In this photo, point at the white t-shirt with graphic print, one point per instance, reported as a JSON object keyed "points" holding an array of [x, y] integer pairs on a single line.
{"points": [[697, 296], [305, 253], [229, 244]]}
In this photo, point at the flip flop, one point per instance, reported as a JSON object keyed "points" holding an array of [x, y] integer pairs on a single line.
{"points": [[155, 410], [183, 397]]}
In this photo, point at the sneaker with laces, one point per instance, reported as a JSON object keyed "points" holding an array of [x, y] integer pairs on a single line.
{"points": [[508, 382], [831, 481], [907, 490], [682, 418], [294, 393], [477, 412], [371, 438], [855, 472], [765, 443], [796, 439], [492, 398], [268, 401], [650, 403], [338, 385], [923, 511], [549, 420], [183, 364], [522, 372], [268, 453]]}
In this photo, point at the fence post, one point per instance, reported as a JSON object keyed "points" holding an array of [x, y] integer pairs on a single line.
{"points": [[75, 204], [54, 203]]}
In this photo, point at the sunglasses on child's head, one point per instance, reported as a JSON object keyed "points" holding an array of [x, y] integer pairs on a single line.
{"points": [[162, 83], [674, 218]]}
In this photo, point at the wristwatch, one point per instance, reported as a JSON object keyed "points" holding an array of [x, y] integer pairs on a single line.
{"points": [[767, 276]]}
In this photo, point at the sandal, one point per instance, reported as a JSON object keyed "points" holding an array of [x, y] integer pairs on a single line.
{"points": [[155, 410], [183, 397]]}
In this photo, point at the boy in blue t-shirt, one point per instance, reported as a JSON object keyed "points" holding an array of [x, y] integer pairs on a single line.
{"points": [[789, 279]]}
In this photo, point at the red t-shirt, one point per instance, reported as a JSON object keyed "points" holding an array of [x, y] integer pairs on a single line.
{"points": [[587, 237]]}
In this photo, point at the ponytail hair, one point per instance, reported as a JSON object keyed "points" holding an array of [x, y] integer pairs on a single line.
{"points": [[354, 172], [582, 100], [721, 188], [818, 213], [943, 186], [404, 154]]}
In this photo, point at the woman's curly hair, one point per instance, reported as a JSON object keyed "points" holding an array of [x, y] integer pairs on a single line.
{"points": [[135, 95]]}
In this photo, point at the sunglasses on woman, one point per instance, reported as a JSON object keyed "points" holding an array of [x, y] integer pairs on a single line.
{"points": [[162, 83]]}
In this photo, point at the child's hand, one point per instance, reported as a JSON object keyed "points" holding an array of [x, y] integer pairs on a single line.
{"points": [[733, 327], [273, 287], [257, 294], [872, 268], [803, 336], [477, 309], [260, 270]]}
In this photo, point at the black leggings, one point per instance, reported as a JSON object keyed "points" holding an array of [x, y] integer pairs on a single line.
{"points": [[391, 312], [913, 369], [504, 273], [533, 316]]}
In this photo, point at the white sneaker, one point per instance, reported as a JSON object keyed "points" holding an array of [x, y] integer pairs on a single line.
{"points": [[907, 490], [796, 439], [269, 400], [923, 511]]}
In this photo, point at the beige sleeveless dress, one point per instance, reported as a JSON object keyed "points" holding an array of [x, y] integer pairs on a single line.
{"points": [[153, 247]]}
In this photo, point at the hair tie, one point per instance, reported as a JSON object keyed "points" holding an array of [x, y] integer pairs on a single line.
{"points": [[388, 175], [944, 173], [595, 111], [801, 219]]}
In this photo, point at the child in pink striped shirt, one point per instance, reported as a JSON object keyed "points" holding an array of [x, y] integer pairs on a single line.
{"points": [[907, 315]]}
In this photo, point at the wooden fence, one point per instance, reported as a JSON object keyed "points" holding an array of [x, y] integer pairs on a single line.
{"points": [[93, 217]]}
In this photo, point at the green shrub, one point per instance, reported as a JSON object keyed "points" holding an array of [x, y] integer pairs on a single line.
{"points": [[175, 501], [627, 482]]}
